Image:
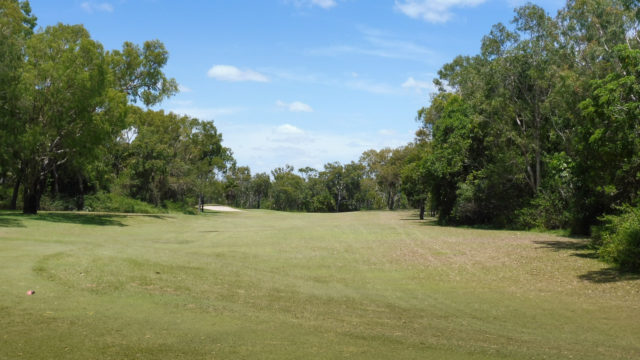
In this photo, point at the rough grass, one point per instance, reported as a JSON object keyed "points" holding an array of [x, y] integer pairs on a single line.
{"points": [[271, 285]]}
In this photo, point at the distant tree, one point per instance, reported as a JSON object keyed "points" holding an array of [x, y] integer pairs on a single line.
{"points": [[385, 167], [415, 184], [260, 185], [287, 189]]}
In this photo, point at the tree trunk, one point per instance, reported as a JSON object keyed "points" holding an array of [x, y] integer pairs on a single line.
{"points": [[422, 210], [32, 195], [80, 196], [538, 155], [16, 188], [56, 188]]}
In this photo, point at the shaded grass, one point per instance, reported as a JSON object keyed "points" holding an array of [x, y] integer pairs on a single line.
{"points": [[263, 284]]}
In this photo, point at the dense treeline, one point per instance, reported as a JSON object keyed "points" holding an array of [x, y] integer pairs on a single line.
{"points": [[540, 129], [69, 126], [73, 138], [371, 183]]}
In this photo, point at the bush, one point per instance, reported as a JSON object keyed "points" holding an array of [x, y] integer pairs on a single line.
{"points": [[106, 202], [181, 207], [58, 203], [620, 239]]}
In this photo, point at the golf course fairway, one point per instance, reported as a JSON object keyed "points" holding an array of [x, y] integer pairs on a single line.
{"points": [[260, 284]]}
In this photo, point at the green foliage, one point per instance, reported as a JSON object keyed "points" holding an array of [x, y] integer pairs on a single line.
{"points": [[171, 158], [619, 238], [540, 128], [187, 207], [551, 207], [287, 189], [63, 101], [108, 202]]}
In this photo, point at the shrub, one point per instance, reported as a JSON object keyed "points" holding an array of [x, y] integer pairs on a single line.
{"points": [[182, 207], [106, 202], [620, 239]]}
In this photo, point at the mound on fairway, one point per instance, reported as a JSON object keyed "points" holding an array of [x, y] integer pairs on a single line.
{"points": [[261, 284]]}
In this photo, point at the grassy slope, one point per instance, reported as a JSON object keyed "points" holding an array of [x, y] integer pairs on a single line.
{"points": [[274, 285]]}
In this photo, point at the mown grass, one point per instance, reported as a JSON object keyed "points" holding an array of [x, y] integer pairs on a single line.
{"points": [[271, 285]]}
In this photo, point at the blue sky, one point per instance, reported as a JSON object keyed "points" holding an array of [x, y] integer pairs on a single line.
{"points": [[300, 82]]}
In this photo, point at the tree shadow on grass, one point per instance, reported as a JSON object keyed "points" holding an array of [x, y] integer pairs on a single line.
{"points": [[10, 220], [14, 219], [582, 248], [608, 275], [82, 219], [579, 244]]}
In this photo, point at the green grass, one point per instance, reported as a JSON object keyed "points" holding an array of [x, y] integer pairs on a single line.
{"points": [[261, 284]]}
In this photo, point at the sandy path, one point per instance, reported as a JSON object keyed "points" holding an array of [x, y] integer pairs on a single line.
{"points": [[219, 208]]}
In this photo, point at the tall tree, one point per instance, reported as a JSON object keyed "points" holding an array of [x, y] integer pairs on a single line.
{"points": [[16, 27], [73, 99]]}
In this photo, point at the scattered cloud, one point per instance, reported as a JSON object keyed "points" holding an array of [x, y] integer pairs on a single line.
{"points": [[288, 129], [325, 4], [387, 132], [418, 85], [91, 7], [184, 89], [352, 80], [370, 86], [295, 106], [206, 113], [233, 74], [433, 11], [378, 43]]}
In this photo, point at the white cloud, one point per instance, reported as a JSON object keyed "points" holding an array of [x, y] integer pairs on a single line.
{"points": [[379, 44], [353, 81], [387, 132], [433, 11], [184, 89], [295, 106], [232, 73], [418, 85], [287, 129], [206, 113], [325, 4], [91, 7], [372, 87]]}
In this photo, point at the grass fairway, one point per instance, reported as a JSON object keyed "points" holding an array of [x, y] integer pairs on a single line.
{"points": [[269, 285]]}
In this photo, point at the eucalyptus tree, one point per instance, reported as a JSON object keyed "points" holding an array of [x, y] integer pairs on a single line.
{"points": [[16, 27], [385, 167], [73, 99], [210, 158], [415, 183], [260, 185], [287, 191]]}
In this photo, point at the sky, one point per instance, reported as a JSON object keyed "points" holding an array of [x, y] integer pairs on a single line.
{"points": [[299, 82]]}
